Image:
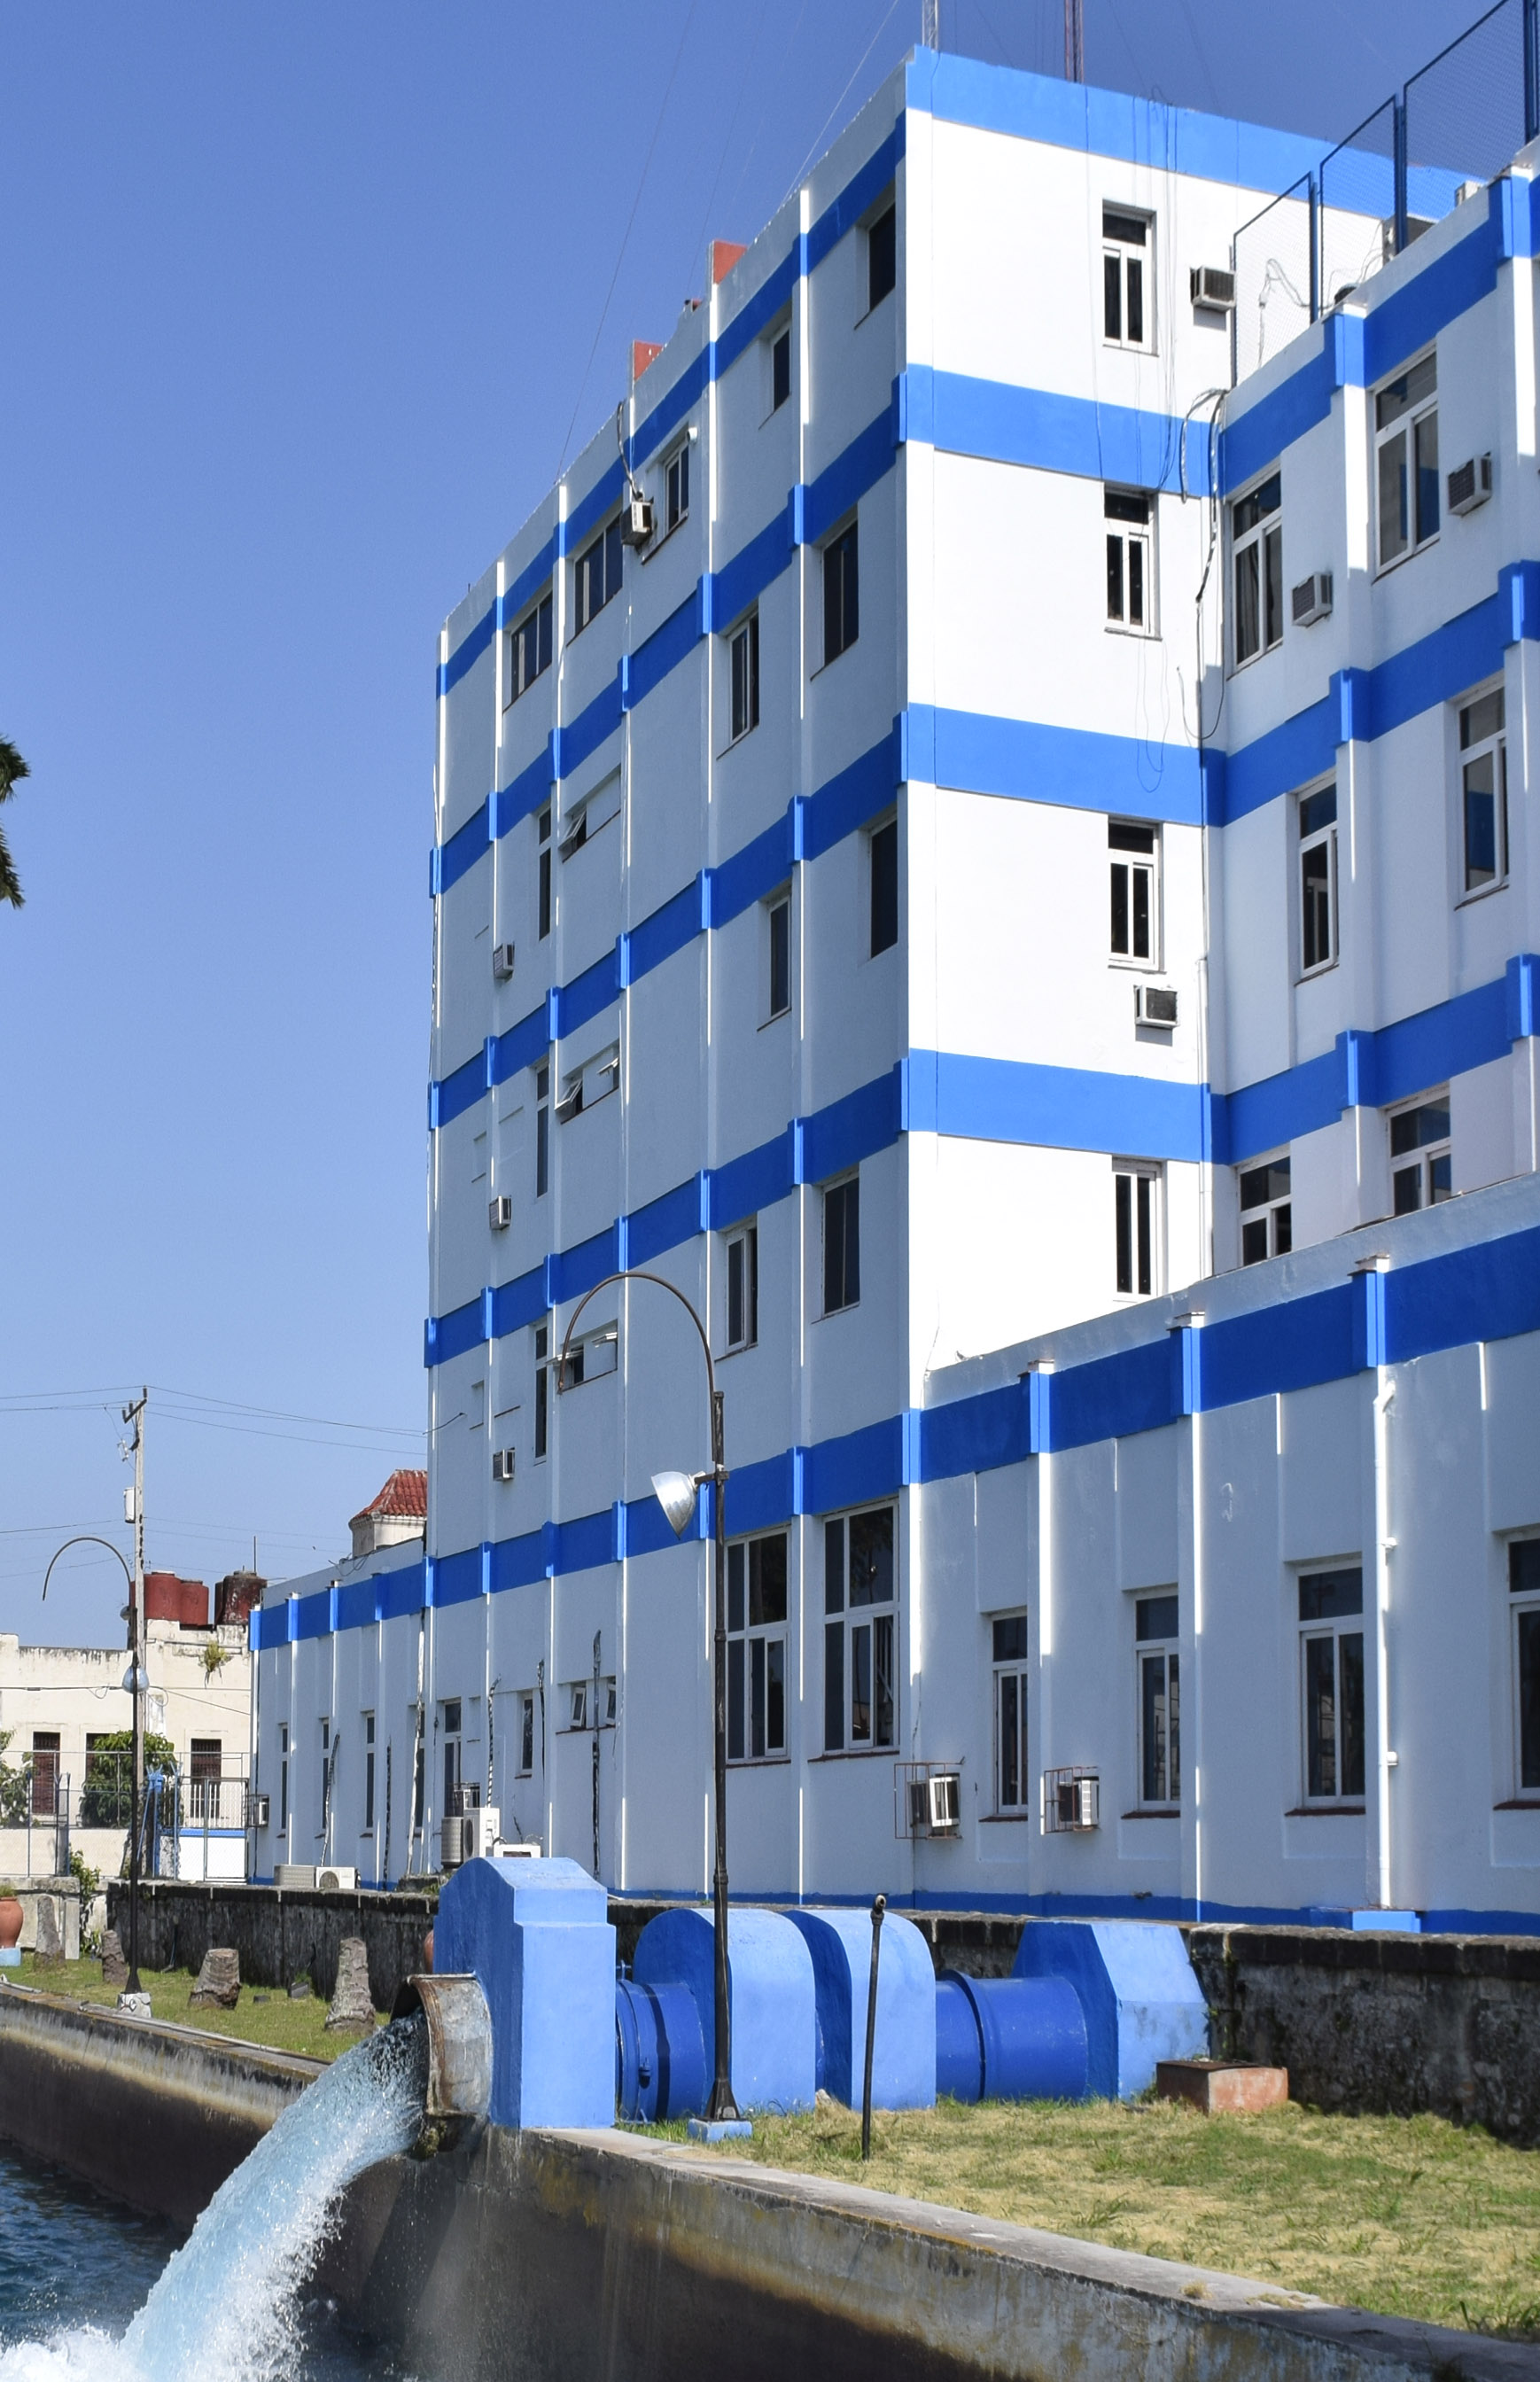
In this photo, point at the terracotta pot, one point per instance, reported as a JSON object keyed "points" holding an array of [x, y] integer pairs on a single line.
{"points": [[10, 1921]]}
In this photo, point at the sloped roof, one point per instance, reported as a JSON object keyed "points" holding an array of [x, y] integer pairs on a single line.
{"points": [[405, 1492]]}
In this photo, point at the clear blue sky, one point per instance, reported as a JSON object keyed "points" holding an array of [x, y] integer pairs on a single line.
{"points": [[305, 304]]}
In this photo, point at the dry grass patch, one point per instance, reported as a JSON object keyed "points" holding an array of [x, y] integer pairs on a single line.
{"points": [[1406, 2215]]}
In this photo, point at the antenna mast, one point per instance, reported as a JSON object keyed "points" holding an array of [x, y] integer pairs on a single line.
{"points": [[1074, 40], [930, 24]]}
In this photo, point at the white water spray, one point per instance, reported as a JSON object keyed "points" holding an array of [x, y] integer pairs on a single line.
{"points": [[224, 2308]]}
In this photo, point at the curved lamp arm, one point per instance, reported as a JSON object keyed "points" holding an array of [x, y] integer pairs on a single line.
{"points": [[635, 1273], [87, 1538]]}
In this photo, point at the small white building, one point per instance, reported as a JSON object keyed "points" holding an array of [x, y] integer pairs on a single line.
{"points": [[1037, 837]]}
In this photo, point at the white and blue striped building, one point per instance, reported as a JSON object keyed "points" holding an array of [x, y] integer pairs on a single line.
{"points": [[967, 882]]}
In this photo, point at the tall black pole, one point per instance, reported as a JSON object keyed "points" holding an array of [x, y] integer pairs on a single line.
{"points": [[878, 1908], [723, 2105]]}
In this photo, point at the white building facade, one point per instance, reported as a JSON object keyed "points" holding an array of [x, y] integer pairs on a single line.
{"points": [[1035, 829]]}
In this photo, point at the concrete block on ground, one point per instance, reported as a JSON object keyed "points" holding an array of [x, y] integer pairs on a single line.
{"points": [[903, 2054], [115, 1968], [219, 1985], [49, 1945], [536, 1936], [771, 1996], [351, 2008], [1143, 2003], [1215, 2084]]}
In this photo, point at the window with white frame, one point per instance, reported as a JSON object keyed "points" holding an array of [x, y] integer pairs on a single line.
{"points": [[1331, 1685], [542, 1131], [860, 1588], [1158, 1657], [1523, 1585], [882, 853], [756, 1648], [326, 1760], [1129, 558], [1266, 1210], [1135, 858], [778, 929], [1009, 1647], [451, 1720], [1318, 879], [882, 257], [742, 1286], [526, 1736], [283, 1778], [780, 369], [1127, 283], [597, 576], [542, 1389], [1484, 791], [841, 1243], [743, 650], [590, 1359], [1256, 566], [675, 487], [583, 1087], [1419, 1156], [1136, 1228], [367, 1773], [841, 593], [1406, 460], [527, 652], [543, 868]]}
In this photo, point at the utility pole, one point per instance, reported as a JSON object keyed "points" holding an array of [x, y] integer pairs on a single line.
{"points": [[135, 1414], [930, 24], [1074, 40]]}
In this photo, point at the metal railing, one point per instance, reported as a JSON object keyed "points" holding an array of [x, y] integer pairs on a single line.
{"points": [[35, 1798]]}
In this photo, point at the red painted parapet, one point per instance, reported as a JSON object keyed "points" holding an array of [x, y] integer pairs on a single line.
{"points": [[724, 254]]}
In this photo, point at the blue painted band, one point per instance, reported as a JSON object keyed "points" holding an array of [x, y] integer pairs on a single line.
{"points": [[1081, 437]]}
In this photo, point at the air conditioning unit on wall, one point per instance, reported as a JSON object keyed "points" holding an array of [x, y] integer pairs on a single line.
{"points": [[502, 961], [499, 1212], [337, 1880], [1072, 1801], [1311, 600], [1471, 484], [502, 1464], [1155, 1004], [1212, 286]]}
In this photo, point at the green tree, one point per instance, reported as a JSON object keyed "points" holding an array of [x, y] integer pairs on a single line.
{"points": [[13, 769]]}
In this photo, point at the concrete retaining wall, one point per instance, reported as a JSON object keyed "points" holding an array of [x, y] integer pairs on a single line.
{"points": [[155, 2115], [1398, 2023], [280, 1935]]}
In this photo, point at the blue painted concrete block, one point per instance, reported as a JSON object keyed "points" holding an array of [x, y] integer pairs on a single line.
{"points": [[1141, 2001], [537, 1933], [770, 1990], [903, 2055]]}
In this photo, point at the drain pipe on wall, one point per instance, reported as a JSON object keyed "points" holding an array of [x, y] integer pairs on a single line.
{"points": [[1370, 1283]]}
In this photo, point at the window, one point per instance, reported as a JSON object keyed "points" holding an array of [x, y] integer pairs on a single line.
{"points": [[882, 257], [598, 573], [1524, 1582], [756, 1648], [1256, 542], [1332, 1683], [780, 956], [1419, 1138], [589, 1359], [841, 595], [1318, 879], [1010, 1714], [841, 1245], [885, 887], [1134, 852], [1406, 462], [1136, 1196], [283, 1778], [780, 371], [745, 671], [1125, 243], [325, 1774], [542, 1388], [449, 1717], [743, 1287], [527, 652], [1155, 1634], [206, 1760], [542, 1131], [1483, 791], [418, 1785], [675, 488], [1130, 578], [46, 1772], [367, 1773], [1267, 1219], [545, 870], [859, 1650], [526, 1736], [590, 1083]]}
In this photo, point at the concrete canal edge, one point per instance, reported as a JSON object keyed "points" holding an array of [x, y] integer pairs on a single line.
{"points": [[602, 2257]]}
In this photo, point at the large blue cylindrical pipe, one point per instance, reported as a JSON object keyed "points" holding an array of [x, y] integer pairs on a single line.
{"points": [[1009, 2039], [660, 2059]]}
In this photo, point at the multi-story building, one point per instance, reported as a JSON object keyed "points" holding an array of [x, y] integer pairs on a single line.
{"points": [[1040, 820]]}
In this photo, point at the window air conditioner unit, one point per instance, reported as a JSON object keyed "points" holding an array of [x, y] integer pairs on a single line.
{"points": [[1211, 286], [479, 1832], [294, 1877], [499, 1212], [1471, 484], [337, 1880], [502, 1464], [502, 961], [1155, 1004], [261, 1806], [636, 522], [927, 1799], [1072, 1801], [1311, 600], [451, 1842]]}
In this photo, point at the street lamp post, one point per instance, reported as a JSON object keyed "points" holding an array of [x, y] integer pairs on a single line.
{"points": [[676, 1492], [135, 1682]]}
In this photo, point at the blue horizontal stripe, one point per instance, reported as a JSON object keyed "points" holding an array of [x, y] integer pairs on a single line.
{"points": [[999, 421], [587, 994], [1076, 766], [521, 592], [525, 794], [1059, 1108]]}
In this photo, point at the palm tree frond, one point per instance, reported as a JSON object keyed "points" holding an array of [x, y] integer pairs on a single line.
{"points": [[13, 767], [10, 884]]}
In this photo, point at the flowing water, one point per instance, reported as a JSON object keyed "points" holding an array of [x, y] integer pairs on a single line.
{"points": [[229, 2306]]}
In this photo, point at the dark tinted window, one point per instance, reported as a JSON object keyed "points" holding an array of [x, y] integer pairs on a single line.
{"points": [[882, 257]]}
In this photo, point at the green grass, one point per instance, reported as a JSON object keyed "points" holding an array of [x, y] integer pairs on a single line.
{"points": [[261, 2015], [1408, 2217]]}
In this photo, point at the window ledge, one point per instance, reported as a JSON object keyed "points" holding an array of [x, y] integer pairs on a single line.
{"points": [[1411, 555], [656, 544], [1131, 629], [1482, 892], [1154, 1811], [1005, 1819], [758, 1762], [1313, 976], [1325, 1811], [857, 1753], [1518, 1803]]}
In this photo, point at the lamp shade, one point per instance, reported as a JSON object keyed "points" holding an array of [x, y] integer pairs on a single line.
{"points": [[136, 1679], [676, 1493]]}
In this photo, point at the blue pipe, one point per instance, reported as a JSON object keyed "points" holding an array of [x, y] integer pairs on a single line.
{"points": [[660, 2057], [1009, 2039]]}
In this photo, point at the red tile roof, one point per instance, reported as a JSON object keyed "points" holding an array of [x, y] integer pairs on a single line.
{"points": [[403, 1492]]}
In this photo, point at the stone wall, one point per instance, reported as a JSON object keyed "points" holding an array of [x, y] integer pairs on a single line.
{"points": [[279, 1934], [1393, 2023]]}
